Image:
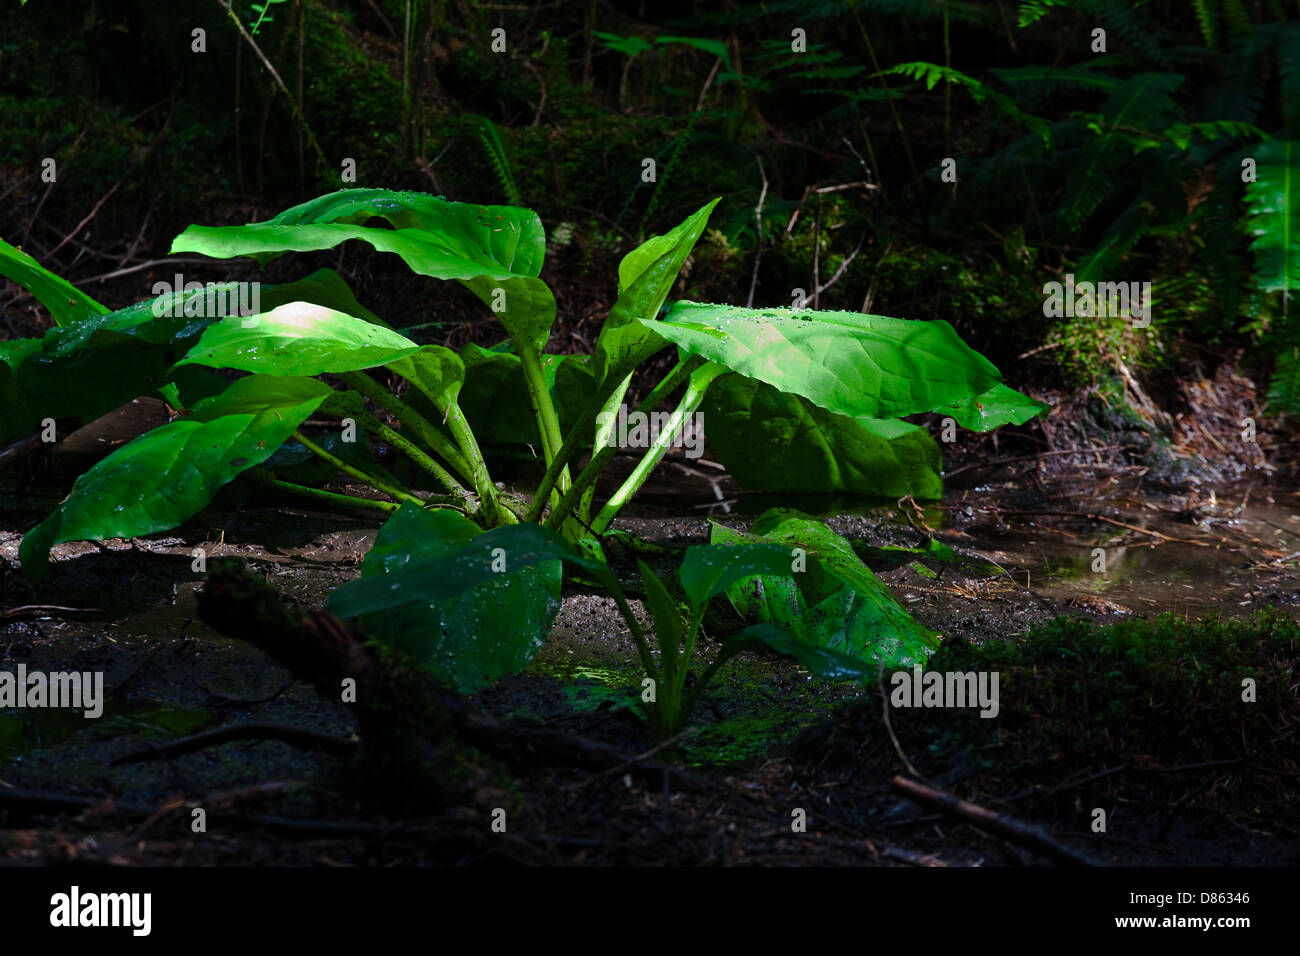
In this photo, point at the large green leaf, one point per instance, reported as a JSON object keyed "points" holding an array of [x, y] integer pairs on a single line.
{"points": [[862, 366], [1000, 405], [708, 570], [299, 338], [167, 475], [773, 441], [819, 659], [437, 371], [860, 617], [82, 371], [487, 248], [645, 277], [473, 638], [444, 576], [67, 303]]}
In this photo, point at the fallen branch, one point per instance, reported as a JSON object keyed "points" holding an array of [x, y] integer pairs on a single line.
{"points": [[299, 737], [1000, 823]]}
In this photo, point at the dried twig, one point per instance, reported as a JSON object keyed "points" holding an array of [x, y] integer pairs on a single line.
{"points": [[1000, 823], [758, 255]]}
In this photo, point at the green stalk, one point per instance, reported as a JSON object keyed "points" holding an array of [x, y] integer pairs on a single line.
{"points": [[603, 434], [638, 636], [585, 483], [548, 423], [491, 511], [407, 415], [467, 457], [689, 648], [698, 384], [263, 477], [692, 695], [412, 451], [377, 483], [566, 450]]}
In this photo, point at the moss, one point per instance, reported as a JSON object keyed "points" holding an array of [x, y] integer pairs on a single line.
{"points": [[1166, 691]]}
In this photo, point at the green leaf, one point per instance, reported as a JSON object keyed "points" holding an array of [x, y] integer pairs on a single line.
{"points": [[299, 338], [486, 248], [67, 303], [169, 474], [819, 659], [1273, 204], [667, 618], [470, 639], [85, 370], [645, 277], [435, 370], [772, 598], [629, 46], [858, 616], [708, 570], [772, 441], [444, 576], [862, 366], [712, 47], [1000, 405]]}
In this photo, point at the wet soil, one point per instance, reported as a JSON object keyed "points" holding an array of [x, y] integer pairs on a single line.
{"points": [[768, 739]]}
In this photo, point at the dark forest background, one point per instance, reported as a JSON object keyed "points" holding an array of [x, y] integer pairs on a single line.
{"points": [[1122, 166]]}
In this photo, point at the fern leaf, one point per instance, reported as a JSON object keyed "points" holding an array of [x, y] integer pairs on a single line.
{"points": [[1142, 103], [932, 73], [1206, 15], [1234, 14], [1273, 204], [1284, 386], [500, 161], [1118, 240]]}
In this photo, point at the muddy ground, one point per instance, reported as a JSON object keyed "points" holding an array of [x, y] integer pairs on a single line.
{"points": [[768, 739]]}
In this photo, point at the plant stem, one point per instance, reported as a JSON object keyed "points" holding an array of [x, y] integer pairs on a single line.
{"points": [[412, 451], [548, 423], [377, 483], [691, 696], [688, 648], [324, 167], [604, 432], [263, 477], [698, 384], [407, 415], [467, 457], [491, 511], [586, 480], [566, 450]]}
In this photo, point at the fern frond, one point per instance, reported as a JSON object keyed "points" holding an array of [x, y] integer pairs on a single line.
{"points": [[1234, 14], [1206, 17], [496, 152], [1142, 103], [1284, 386], [1040, 80], [1273, 204], [1031, 11], [682, 141], [932, 73], [1117, 241]]}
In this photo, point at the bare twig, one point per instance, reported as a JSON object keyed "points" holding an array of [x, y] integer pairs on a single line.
{"points": [[758, 216], [884, 705], [843, 265], [275, 75], [1000, 823], [302, 737]]}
